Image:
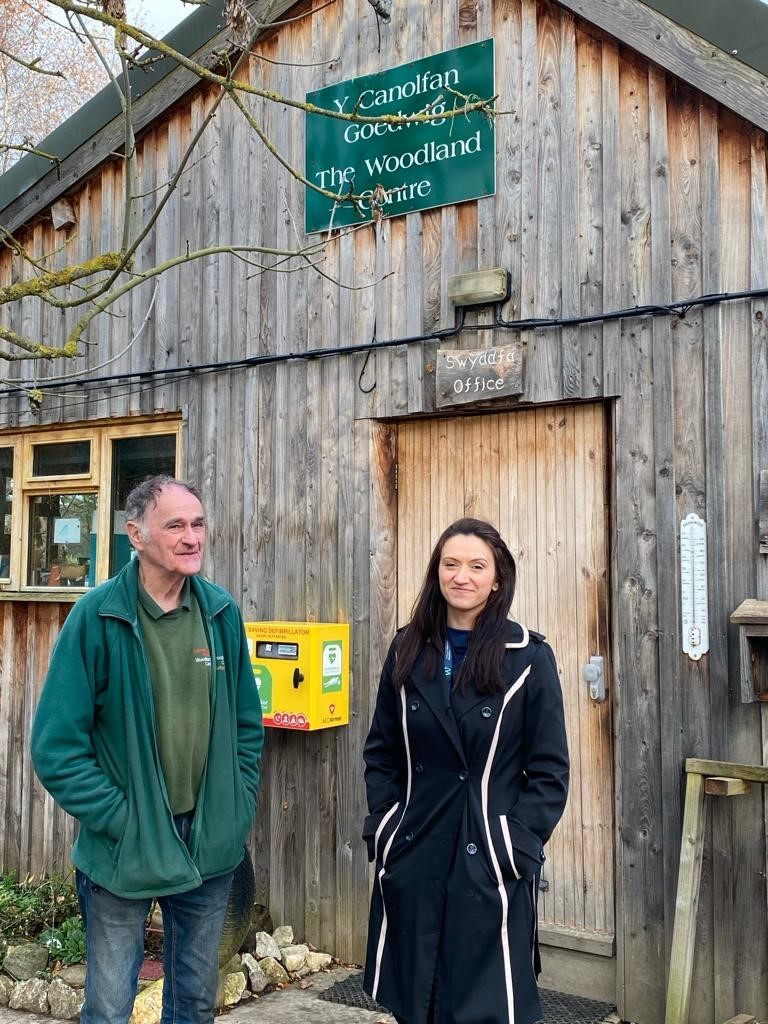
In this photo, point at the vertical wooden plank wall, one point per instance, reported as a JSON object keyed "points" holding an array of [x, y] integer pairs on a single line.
{"points": [[617, 185], [36, 836]]}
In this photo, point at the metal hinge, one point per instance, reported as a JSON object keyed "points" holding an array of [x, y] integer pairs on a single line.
{"points": [[396, 471]]}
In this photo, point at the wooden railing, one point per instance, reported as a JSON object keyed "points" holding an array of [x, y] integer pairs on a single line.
{"points": [[705, 778]]}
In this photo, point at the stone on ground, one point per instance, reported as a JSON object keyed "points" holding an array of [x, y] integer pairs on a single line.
{"points": [[65, 1002], [25, 960], [294, 957], [273, 971], [266, 946], [283, 935], [31, 995], [257, 977]]}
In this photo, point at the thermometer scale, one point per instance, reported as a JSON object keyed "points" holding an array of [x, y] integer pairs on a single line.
{"points": [[693, 586]]}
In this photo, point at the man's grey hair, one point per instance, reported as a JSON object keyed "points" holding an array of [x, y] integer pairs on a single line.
{"points": [[144, 496]]}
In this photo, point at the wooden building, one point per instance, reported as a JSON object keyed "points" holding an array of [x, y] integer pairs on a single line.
{"points": [[630, 171]]}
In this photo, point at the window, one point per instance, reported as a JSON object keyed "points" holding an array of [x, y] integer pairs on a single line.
{"points": [[62, 499], [6, 510], [62, 458]]}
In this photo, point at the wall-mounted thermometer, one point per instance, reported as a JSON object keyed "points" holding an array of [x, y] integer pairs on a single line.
{"points": [[693, 586]]}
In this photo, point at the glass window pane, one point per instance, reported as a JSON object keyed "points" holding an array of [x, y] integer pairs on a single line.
{"points": [[133, 460], [63, 458], [62, 541], [6, 510]]}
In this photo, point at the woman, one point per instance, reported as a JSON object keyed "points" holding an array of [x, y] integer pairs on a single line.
{"points": [[466, 775]]}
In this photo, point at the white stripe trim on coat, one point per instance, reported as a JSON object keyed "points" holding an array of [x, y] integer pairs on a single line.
{"points": [[494, 859], [522, 643], [383, 932], [508, 844], [379, 830]]}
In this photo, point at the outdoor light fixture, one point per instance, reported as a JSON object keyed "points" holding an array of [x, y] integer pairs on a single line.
{"points": [[479, 288]]}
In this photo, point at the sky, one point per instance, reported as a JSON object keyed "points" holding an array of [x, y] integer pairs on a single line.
{"points": [[161, 15]]}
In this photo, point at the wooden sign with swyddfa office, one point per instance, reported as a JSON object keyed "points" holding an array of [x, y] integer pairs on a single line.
{"points": [[473, 375]]}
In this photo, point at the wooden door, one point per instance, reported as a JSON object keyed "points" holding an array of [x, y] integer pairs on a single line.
{"points": [[539, 475]]}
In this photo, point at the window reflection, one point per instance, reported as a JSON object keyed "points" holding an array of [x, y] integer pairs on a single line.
{"points": [[133, 460], [62, 542], [6, 510], [63, 458]]}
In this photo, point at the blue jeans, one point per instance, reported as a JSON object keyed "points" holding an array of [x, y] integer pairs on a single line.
{"points": [[192, 927]]}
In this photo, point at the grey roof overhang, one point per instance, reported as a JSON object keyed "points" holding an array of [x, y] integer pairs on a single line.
{"points": [[684, 53]]}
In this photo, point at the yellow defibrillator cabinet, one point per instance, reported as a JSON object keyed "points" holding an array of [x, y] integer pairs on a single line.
{"points": [[302, 671]]}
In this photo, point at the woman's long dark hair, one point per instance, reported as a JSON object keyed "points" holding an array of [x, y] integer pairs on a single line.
{"points": [[427, 626]]}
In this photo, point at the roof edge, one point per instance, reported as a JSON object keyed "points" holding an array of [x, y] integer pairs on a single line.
{"points": [[191, 35], [724, 78]]}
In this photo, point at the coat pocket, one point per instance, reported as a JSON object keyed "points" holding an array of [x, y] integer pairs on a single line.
{"points": [[378, 829], [514, 862]]}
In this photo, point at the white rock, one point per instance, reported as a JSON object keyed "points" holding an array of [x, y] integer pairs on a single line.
{"points": [[274, 972], [283, 935], [294, 957], [266, 946], [231, 988], [6, 987], [318, 961], [148, 1005], [30, 995], [65, 1002], [257, 977]]}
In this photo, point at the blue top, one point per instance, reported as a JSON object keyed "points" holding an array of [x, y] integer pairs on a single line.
{"points": [[456, 645]]}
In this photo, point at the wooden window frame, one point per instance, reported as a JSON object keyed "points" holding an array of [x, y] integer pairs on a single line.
{"points": [[15, 444], [97, 481]]}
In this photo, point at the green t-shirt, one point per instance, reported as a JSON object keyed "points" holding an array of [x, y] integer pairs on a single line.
{"points": [[180, 673]]}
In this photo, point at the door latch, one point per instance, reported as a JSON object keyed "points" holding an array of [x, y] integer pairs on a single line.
{"points": [[594, 676]]}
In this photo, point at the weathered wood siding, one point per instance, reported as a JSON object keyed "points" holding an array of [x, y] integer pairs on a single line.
{"points": [[617, 185], [36, 835]]}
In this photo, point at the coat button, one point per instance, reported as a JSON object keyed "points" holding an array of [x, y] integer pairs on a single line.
{"points": [[415, 705], [486, 712], [463, 776], [418, 767], [408, 836], [471, 849]]}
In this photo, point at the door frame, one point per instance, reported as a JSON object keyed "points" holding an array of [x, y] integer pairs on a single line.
{"points": [[574, 971]]}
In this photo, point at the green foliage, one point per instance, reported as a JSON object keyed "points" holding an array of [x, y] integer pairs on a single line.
{"points": [[67, 942], [36, 905]]}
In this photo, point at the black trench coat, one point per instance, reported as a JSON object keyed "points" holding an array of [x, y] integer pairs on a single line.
{"points": [[463, 790]]}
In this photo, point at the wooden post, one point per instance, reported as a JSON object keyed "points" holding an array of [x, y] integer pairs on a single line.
{"points": [[686, 904], [723, 778]]}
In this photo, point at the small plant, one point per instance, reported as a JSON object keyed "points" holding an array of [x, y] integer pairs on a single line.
{"points": [[67, 942], [35, 905]]}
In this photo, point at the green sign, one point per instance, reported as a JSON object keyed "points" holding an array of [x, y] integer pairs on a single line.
{"points": [[332, 663], [406, 166], [264, 683]]}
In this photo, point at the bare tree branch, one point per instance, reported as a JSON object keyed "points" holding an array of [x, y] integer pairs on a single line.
{"points": [[95, 286], [33, 65]]}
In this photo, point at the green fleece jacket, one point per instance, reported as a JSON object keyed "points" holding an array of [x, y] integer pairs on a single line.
{"points": [[94, 745]]}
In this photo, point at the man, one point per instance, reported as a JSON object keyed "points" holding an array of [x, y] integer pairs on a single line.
{"points": [[149, 732]]}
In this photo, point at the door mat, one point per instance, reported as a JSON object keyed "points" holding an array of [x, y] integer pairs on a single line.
{"points": [[558, 1007]]}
